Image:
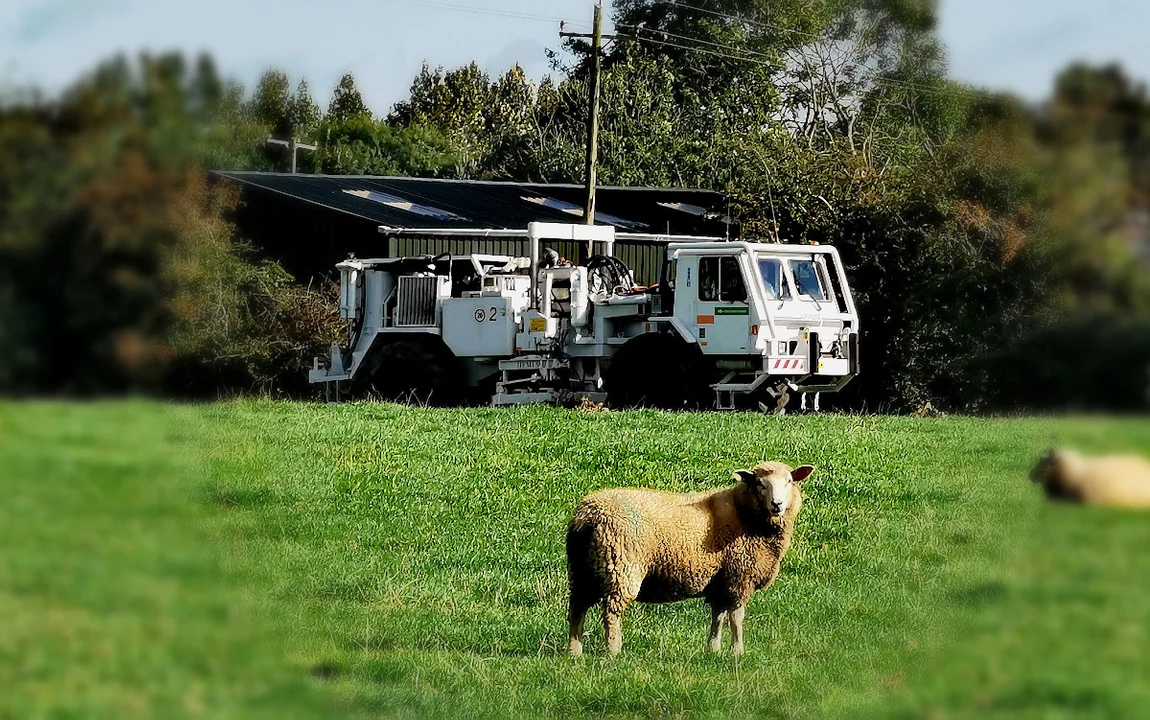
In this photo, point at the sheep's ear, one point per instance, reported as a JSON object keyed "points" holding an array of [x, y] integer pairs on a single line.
{"points": [[801, 472], [747, 476]]}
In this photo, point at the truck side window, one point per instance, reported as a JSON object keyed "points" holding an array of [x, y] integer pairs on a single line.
{"points": [[836, 287], [709, 279], [721, 280], [731, 277]]}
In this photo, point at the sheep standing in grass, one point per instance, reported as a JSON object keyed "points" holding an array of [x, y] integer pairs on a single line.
{"points": [[1112, 481], [627, 545]]}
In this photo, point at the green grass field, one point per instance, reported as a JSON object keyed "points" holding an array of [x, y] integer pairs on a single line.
{"points": [[274, 560]]}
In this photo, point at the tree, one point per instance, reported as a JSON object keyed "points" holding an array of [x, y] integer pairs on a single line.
{"points": [[457, 104], [360, 145], [88, 182], [118, 268], [1096, 133], [303, 112], [233, 138], [271, 103], [510, 101], [346, 102], [238, 322], [207, 88]]}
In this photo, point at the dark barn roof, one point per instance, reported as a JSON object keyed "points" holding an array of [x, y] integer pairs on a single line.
{"points": [[310, 222]]}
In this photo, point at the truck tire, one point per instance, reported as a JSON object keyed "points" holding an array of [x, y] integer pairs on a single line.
{"points": [[416, 371], [658, 371]]}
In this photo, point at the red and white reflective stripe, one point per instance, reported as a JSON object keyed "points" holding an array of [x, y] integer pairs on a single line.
{"points": [[789, 364]]}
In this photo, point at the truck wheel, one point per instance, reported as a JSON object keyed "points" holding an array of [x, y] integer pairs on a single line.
{"points": [[659, 371], [417, 371]]}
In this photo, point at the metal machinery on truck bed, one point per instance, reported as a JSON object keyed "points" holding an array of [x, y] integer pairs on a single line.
{"points": [[730, 324]]}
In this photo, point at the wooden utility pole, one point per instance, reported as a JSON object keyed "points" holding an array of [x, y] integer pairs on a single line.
{"points": [[593, 115], [592, 173]]}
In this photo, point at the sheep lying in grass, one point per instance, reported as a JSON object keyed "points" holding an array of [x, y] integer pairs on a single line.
{"points": [[1112, 481], [627, 545]]}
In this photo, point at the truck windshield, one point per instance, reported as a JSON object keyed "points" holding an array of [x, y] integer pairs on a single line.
{"points": [[807, 279], [773, 279]]}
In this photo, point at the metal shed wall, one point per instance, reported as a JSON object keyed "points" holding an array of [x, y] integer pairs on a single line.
{"points": [[644, 259]]}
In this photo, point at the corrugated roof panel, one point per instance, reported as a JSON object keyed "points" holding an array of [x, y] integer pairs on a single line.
{"points": [[401, 204], [425, 203], [577, 211], [694, 210], [495, 205]]}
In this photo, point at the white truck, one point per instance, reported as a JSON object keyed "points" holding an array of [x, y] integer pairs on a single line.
{"points": [[730, 324]]}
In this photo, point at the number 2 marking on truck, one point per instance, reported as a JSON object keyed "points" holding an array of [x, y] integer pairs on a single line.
{"points": [[492, 316]]}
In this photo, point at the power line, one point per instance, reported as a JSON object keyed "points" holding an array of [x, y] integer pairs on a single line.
{"points": [[738, 19], [890, 82], [496, 12], [709, 48], [664, 33], [779, 28], [664, 43]]}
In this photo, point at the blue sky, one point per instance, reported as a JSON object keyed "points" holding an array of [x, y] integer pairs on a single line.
{"points": [[1014, 45]]}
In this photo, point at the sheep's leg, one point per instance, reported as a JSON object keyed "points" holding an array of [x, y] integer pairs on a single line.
{"points": [[718, 619], [613, 608], [576, 614], [736, 617]]}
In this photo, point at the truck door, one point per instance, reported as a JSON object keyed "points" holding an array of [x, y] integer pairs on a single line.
{"points": [[722, 312]]}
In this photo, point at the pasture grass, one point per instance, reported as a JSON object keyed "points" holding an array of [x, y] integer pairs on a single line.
{"points": [[259, 558], [112, 599]]}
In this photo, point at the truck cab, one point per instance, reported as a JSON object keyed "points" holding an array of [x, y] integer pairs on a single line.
{"points": [[765, 310]]}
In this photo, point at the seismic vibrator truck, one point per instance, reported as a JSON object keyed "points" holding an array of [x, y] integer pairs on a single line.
{"points": [[729, 324]]}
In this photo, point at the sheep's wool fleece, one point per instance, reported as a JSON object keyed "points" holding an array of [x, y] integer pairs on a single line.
{"points": [[1111, 481], [663, 547]]}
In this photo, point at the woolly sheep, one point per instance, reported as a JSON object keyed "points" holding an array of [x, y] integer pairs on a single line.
{"points": [[625, 545], [1111, 481]]}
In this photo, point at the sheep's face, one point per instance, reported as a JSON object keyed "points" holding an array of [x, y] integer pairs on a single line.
{"points": [[774, 485], [1047, 468]]}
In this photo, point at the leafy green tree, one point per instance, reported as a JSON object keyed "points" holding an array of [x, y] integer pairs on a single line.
{"points": [[207, 88], [233, 138], [455, 102], [271, 103], [360, 145], [303, 112], [238, 322], [117, 265], [461, 106], [346, 102], [510, 102], [86, 184]]}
